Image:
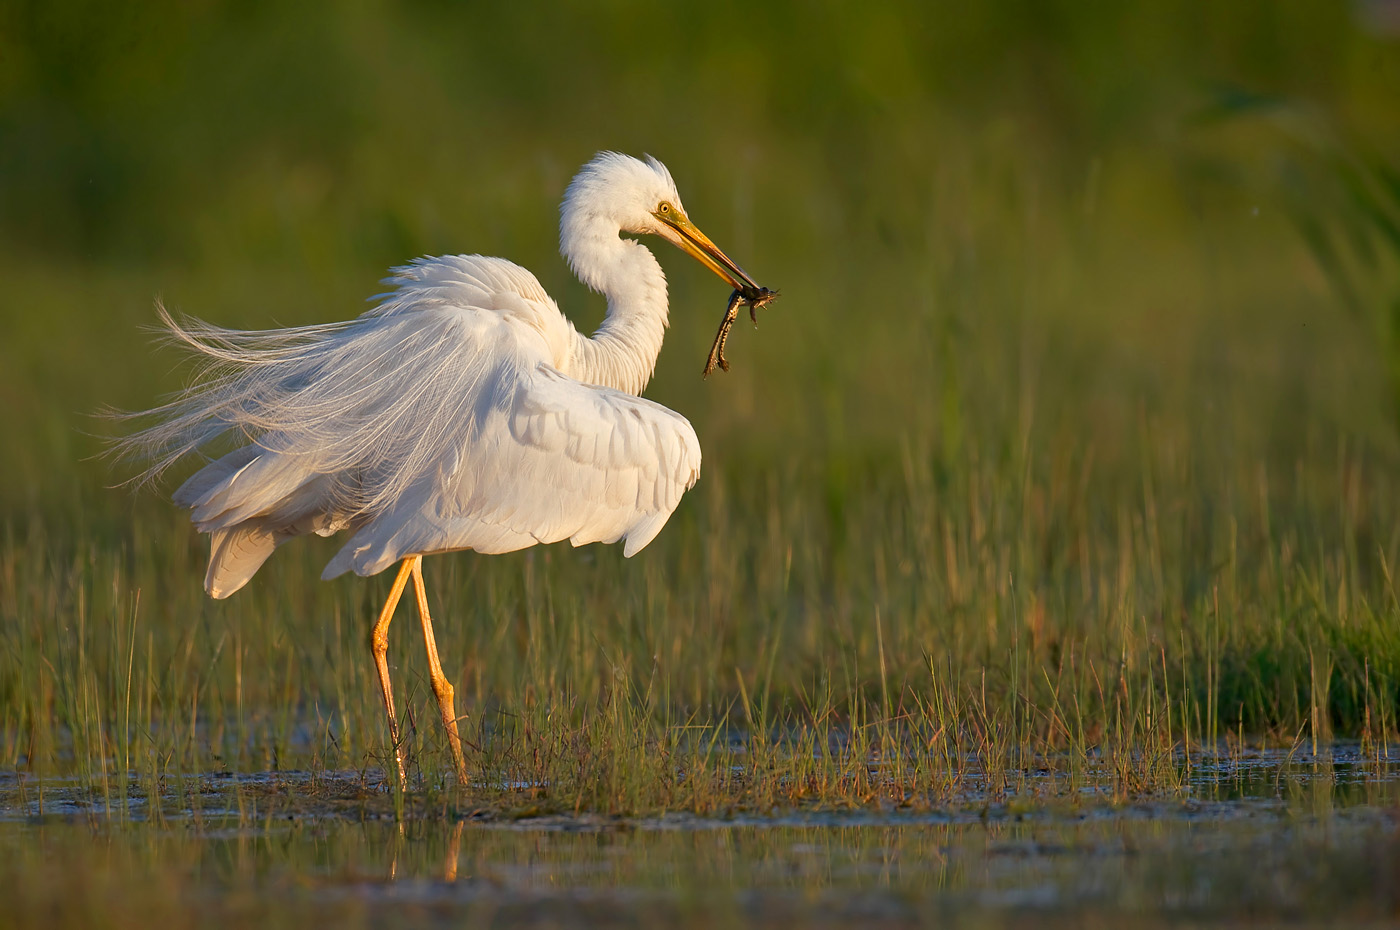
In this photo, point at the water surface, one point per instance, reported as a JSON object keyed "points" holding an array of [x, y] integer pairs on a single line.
{"points": [[1257, 836]]}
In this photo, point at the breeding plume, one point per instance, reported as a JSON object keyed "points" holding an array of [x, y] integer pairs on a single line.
{"points": [[462, 412]]}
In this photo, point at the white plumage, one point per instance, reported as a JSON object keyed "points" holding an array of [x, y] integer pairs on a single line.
{"points": [[463, 412], [443, 419]]}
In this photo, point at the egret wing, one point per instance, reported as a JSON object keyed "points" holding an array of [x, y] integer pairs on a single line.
{"points": [[435, 421], [544, 458]]}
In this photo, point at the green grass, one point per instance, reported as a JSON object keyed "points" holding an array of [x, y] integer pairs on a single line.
{"points": [[1070, 446]]}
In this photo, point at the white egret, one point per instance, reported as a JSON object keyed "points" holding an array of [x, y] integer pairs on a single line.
{"points": [[462, 412]]}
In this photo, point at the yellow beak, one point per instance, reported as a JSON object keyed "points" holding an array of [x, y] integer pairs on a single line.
{"points": [[698, 245]]}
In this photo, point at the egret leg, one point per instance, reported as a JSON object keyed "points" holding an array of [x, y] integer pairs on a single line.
{"points": [[379, 646], [441, 686]]}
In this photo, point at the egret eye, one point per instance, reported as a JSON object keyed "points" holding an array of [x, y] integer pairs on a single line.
{"points": [[665, 208]]}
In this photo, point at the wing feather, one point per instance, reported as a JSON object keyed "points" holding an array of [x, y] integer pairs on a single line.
{"points": [[436, 421], [556, 460]]}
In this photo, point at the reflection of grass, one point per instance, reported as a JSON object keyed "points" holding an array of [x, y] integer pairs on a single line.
{"points": [[290, 851], [1055, 452]]}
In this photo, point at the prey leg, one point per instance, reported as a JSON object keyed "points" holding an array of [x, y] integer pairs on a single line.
{"points": [[755, 297], [731, 313], [441, 686], [379, 646]]}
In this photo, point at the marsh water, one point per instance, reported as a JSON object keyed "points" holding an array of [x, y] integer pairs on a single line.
{"points": [[1271, 836]]}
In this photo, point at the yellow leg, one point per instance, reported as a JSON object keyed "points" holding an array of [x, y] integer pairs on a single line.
{"points": [[441, 686], [379, 646]]}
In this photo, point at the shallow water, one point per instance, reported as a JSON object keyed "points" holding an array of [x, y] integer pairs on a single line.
{"points": [[1268, 836]]}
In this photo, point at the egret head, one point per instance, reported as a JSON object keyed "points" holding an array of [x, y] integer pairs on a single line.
{"points": [[627, 194]]}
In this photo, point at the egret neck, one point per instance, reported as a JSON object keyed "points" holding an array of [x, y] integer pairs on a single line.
{"points": [[622, 353]]}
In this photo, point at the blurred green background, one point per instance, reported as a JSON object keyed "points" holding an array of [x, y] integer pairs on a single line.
{"points": [[991, 218], [1098, 300]]}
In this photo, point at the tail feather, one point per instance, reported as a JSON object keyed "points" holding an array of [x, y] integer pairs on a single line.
{"points": [[235, 556], [247, 521], [266, 484], [209, 480]]}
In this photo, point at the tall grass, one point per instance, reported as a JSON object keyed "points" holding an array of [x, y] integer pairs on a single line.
{"points": [[966, 628], [1061, 453]]}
